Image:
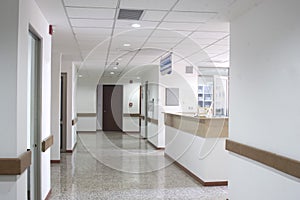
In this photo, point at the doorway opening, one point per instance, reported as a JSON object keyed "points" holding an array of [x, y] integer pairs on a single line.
{"points": [[34, 116], [63, 112]]}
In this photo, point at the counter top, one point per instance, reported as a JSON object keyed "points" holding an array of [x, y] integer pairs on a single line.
{"points": [[193, 115], [212, 127]]}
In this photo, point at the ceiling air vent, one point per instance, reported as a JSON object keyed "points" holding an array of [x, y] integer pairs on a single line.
{"points": [[130, 14], [189, 69]]}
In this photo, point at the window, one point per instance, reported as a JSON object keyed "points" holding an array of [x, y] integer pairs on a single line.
{"points": [[213, 91]]}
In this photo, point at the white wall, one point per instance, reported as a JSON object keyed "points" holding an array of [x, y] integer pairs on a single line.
{"points": [[131, 94], [264, 101], [55, 104], [86, 103], [204, 157], [68, 67], [15, 19], [187, 84], [150, 74]]}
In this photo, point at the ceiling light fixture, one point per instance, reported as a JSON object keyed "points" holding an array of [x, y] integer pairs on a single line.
{"points": [[126, 45], [135, 25], [138, 78], [115, 67], [112, 73], [80, 76]]}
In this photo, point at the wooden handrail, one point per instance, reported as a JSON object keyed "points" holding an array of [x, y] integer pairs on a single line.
{"points": [[47, 143], [278, 162], [15, 166]]}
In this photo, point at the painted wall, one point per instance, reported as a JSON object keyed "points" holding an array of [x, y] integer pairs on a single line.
{"points": [[55, 104], [150, 74], [264, 99], [204, 157], [131, 94], [15, 19], [86, 103], [187, 84], [68, 67]]}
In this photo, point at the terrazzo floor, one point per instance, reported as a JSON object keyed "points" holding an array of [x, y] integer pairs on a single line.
{"points": [[114, 165]]}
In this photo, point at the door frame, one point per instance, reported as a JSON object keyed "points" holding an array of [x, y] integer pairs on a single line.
{"points": [[35, 136], [146, 109]]}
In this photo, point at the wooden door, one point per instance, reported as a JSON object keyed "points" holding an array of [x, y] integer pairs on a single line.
{"points": [[112, 107]]}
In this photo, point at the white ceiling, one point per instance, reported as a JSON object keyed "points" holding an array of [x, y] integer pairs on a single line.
{"points": [[195, 30]]}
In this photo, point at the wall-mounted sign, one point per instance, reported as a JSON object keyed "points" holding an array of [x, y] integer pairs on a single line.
{"points": [[166, 64]]}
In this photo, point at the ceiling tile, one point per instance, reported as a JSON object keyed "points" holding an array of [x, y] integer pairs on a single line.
{"points": [[203, 5], [208, 34], [92, 3], [127, 24], [179, 26], [153, 15], [189, 17], [217, 49], [91, 23], [146, 4], [92, 31], [96, 13], [159, 45], [224, 27], [224, 42]]}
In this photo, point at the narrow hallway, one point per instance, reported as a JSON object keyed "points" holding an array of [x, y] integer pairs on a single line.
{"points": [[114, 165]]}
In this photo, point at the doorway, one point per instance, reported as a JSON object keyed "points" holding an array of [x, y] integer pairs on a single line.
{"points": [[34, 116], [112, 107], [63, 112]]}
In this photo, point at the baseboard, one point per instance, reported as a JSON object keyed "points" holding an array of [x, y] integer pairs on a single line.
{"points": [[48, 195], [54, 161], [204, 183], [157, 148], [72, 150]]}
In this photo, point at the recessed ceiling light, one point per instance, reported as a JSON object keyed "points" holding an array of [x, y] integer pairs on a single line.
{"points": [[126, 45], [138, 78], [112, 73], [135, 25], [119, 58], [80, 76], [115, 67]]}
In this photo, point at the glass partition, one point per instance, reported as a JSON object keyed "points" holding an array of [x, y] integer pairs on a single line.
{"points": [[213, 91]]}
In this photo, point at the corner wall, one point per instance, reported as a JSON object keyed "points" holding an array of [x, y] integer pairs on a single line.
{"points": [[16, 18], [69, 68], [264, 101], [55, 104]]}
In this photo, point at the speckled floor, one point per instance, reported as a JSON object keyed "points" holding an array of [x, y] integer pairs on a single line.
{"points": [[119, 166]]}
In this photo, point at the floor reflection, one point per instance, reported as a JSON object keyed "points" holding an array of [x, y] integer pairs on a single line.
{"points": [[114, 165]]}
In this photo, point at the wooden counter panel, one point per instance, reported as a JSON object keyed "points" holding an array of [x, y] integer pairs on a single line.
{"points": [[206, 128], [15, 166]]}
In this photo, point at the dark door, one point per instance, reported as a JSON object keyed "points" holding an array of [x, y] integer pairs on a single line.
{"points": [[112, 107], [63, 112]]}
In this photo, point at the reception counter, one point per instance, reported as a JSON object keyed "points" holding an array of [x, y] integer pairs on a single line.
{"points": [[197, 144]]}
